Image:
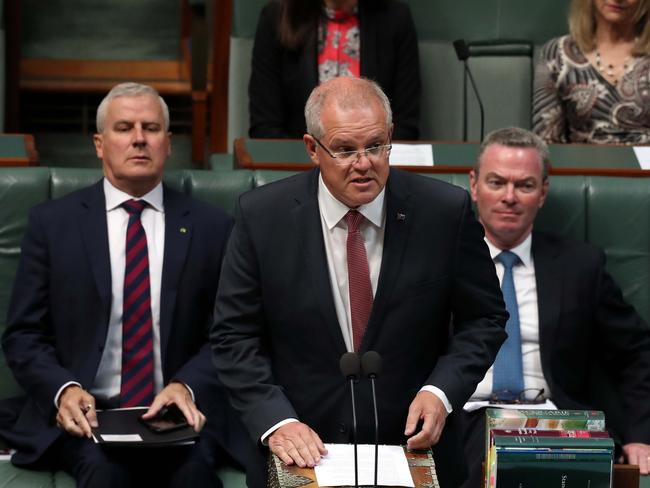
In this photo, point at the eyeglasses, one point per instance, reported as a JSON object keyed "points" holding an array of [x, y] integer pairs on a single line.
{"points": [[529, 396], [346, 158]]}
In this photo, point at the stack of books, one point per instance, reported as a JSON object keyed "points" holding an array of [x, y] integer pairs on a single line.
{"points": [[547, 449]]}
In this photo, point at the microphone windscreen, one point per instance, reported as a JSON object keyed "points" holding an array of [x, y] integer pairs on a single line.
{"points": [[462, 51], [371, 363], [350, 365]]}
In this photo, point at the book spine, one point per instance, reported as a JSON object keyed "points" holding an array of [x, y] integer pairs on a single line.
{"points": [[551, 433], [562, 474], [540, 441], [545, 414]]}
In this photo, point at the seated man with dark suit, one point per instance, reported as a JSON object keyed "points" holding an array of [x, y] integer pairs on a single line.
{"points": [[111, 305], [571, 336], [355, 256]]}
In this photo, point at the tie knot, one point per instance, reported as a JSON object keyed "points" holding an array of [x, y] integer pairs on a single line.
{"points": [[353, 219], [508, 258], [134, 207]]}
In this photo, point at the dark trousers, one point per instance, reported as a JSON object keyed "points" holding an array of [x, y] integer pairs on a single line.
{"points": [[473, 435], [96, 466]]}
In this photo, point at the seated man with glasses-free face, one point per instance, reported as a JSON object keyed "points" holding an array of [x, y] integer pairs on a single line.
{"points": [[571, 337], [355, 256]]}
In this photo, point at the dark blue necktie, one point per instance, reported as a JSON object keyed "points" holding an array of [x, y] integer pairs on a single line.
{"points": [[508, 373]]}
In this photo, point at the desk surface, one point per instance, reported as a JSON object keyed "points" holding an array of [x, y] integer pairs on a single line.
{"points": [[421, 464], [17, 150], [449, 157]]}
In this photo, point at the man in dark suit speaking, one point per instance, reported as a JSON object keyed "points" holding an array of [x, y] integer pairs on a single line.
{"points": [[111, 306], [575, 340], [355, 256]]}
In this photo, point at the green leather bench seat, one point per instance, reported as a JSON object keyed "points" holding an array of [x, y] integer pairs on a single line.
{"points": [[613, 212]]}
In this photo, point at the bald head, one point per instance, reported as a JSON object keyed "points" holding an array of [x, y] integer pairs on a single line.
{"points": [[347, 93]]}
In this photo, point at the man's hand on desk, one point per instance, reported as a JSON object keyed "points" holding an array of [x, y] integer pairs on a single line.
{"points": [[76, 414], [177, 394], [638, 454], [296, 443], [428, 408]]}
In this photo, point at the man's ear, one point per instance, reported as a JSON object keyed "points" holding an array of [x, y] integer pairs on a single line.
{"points": [[99, 145], [310, 146]]}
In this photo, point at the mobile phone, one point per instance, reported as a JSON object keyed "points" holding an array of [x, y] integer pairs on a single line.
{"points": [[167, 419]]}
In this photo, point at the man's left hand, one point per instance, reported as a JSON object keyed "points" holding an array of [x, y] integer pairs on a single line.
{"points": [[177, 394], [428, 408], [638, 454]]}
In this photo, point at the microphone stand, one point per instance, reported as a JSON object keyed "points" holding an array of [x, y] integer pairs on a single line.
{"points": [[463, 54], [371, 364], [468, 73], [350, 367], [374, 404]]}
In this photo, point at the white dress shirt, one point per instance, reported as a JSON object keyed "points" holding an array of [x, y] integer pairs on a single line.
{"points": [[526, 291], [109, 374]]}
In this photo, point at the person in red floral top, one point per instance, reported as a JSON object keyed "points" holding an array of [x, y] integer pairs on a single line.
{"points": [[301, 43]]}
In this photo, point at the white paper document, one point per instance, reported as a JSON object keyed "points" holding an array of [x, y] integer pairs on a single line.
{"points": [[547, 405], [337, 468], [121, 437], [643, 156], [411, 155]]}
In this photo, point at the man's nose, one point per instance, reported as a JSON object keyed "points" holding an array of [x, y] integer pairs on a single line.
{"points": [[510, 195], [138, 136], [363, 162]]}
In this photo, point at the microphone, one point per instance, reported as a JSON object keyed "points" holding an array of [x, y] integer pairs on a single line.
{"points": [[462, 53], [371, 364], [350, 367]]}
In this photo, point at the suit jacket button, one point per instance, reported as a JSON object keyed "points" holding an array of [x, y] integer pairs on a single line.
{"points": [[343, 428]]}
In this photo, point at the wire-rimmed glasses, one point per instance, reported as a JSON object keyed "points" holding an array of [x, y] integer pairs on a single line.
{"points": [[345, 158]]}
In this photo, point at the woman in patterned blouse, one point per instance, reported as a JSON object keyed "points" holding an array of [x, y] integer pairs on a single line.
{"points": [[593, 86], [301, 43]]}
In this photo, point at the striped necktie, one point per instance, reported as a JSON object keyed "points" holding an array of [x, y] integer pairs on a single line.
{"points": [[137, 327]]}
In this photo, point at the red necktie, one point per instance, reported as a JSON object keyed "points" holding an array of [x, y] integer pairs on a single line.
{"points": [[137, 334], [358, 278]]}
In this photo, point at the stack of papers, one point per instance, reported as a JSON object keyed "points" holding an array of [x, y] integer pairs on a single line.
{"points": [[337, 468]]}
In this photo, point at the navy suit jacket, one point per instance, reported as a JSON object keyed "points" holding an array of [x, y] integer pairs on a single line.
{"points": [[437, 318], [595, 349], [59, 310]]}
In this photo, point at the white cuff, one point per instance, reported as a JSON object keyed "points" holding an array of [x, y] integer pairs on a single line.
{"points": [[58, 393], [266, 434], [440, 394]]}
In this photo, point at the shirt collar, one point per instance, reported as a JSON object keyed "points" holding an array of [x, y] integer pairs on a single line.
{"points": [[522, 250], [333, 210], [115, 197]]}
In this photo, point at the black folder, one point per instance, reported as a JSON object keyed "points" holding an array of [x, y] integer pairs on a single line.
{"points": [[121, 427]]}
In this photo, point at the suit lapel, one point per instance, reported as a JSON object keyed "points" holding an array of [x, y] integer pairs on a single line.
{"points": [[307, 223], [95, 238], [548, 277], [178, 235], [399, 217]]}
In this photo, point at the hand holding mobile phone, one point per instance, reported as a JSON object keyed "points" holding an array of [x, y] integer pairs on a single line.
{"points": [[167, 419]]}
